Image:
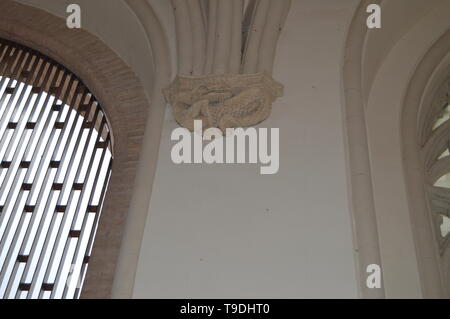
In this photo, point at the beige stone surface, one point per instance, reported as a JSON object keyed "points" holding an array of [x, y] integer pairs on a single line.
{"points": [[223, 101]]}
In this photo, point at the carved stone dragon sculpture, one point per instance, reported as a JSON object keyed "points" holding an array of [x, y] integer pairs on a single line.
{"points": [[222, 101]]}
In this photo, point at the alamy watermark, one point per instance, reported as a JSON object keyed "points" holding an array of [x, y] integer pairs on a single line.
{"points": [[374, 19], [238, 145], [73, 20], [373, 280]]}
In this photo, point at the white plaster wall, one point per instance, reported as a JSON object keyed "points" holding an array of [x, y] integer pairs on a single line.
{"points": [[226, 231], [384, 109]]}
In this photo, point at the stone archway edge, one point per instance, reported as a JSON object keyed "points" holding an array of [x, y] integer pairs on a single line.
{"points": [[139, 207], [431, 276], [367, 250]]}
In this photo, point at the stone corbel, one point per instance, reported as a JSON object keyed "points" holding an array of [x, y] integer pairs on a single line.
{"points": [[222, 101], [225, 60]]}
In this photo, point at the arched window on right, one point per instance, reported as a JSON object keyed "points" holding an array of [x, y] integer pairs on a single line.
{"points": [[434, 128]]}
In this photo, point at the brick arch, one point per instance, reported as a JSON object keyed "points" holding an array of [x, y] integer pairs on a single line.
{"points": [[123, 100]]}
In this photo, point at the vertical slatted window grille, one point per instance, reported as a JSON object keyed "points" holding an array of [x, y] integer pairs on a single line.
{"points": [[55, 165]]}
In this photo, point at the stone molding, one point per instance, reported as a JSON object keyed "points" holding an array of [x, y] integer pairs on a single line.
{"points": [[436, 141], [367, 247], [421, 148]]}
